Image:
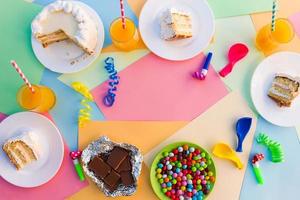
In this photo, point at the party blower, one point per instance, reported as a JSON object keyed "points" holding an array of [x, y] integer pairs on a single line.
{"points": [[222, 150], [242, 128], [256, 170]]}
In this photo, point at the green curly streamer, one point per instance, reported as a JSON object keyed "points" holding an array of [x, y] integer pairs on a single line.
{"points": [[274, 147]]}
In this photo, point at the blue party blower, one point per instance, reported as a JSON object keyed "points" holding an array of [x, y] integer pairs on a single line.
{"points": [[243, 126]]}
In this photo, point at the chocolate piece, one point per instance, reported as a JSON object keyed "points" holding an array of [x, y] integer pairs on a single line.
{"points": [[99, 167], [125, 165], [116, 157], [127, 178], [112, 180], [103, 156]]}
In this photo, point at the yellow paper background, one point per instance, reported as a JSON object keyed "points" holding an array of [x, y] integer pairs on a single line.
{"points": [[217, 124]]}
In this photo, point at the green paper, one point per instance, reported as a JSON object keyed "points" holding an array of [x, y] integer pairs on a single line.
{"points": [[229, 8], [15, 34], [228, 32], [96, 74]]}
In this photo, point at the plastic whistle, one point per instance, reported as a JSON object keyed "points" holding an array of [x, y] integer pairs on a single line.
{"points": [[75, 155], [258, 173], [202, 74]]}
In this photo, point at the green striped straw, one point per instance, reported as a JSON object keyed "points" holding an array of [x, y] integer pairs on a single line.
{"points": [[273, 15]]}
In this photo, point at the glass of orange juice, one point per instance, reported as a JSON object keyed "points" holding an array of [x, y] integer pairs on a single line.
{"points": [[126, 38], [42, 100], [268, 41]]}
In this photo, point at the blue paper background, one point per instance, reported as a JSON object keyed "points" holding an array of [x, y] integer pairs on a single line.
{"points": [[65, 112], [282, 180]]}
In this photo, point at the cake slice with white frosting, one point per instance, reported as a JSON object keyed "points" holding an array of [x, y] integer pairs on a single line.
{"points": [[284, 89], [65, 20], [175, 24], [22, 149]]}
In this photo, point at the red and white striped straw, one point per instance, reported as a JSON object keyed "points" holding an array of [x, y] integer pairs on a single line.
{"points": [[22, 75], [122, 14]]}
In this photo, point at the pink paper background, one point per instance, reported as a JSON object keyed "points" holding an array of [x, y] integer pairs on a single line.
{"points": [[64, 184], [156, 89], [295, 19]]}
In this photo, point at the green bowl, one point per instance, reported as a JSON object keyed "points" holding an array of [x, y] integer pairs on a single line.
{"points": [[154, 182]]}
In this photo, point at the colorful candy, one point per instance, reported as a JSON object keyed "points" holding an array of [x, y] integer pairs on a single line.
{"points": [[184, 173]]}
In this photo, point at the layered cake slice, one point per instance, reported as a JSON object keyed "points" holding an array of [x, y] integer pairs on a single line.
{"points": [[284, 89], [175, 24], [65, 20], [22, 149]]}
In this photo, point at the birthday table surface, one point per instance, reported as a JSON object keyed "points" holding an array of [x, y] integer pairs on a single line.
{"points": [[150, 117]]}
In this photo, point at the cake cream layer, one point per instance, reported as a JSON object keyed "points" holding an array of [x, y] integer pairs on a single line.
{"points": [[72, 19], [284, 89], [22, 149], [175, 24]]}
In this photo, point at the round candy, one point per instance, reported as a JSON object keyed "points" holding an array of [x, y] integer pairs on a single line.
{"points": [[180, 149], [169, 184], [192, 149], [184, 173]]}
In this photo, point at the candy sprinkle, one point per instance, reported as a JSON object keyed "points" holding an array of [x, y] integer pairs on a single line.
{"points": [[185, 173]]}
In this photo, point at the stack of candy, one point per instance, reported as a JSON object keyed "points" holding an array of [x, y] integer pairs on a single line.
{"points": [[184, 173]]}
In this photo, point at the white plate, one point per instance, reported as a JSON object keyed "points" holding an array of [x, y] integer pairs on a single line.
{"points": [[283, 62], [202, 25], [50, 155], [65, 56]]}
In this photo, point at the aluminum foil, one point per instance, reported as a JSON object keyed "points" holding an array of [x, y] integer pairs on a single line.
{"points": [[103, 146]]}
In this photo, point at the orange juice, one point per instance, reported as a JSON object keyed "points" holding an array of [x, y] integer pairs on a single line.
{"points": [[125, 39], [267, 41], [42, 100]]}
